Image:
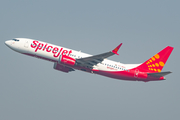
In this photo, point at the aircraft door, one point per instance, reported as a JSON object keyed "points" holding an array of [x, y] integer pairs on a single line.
{"points": [[26, 44], [136, 72]]}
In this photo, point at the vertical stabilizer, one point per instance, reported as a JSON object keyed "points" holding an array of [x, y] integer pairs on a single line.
{"points": [[157, 62]]}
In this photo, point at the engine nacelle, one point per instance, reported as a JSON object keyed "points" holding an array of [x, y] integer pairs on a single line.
{"points": [[66, 60], [62, 68]]}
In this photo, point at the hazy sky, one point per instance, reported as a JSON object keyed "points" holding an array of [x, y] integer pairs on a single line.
{"points": [[30, 89]]}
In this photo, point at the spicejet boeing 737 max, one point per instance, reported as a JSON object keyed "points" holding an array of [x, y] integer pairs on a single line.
{"points": [[66, 60]]}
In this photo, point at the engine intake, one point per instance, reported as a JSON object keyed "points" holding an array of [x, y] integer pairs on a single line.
{"points": [[66, 60]]}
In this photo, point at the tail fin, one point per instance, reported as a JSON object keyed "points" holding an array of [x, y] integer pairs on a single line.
{"points": [[157, 62]]}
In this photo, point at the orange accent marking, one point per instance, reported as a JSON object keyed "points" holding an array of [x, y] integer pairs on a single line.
{"points": [[157, 64], [150, 65], [153, 58], [153, 65], [150, 60], [161, 63], [116, 49], [151, 68], [159, 70], [157, 56], [155, 70]]}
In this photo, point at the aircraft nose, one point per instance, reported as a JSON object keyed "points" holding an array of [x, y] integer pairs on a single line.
{"points": [[8, 42]]}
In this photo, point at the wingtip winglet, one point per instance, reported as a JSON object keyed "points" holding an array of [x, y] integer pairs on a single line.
{"points": [[116, 49]]}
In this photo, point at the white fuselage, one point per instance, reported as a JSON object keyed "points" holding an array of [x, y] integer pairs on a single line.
{"points": [[51, 52]]}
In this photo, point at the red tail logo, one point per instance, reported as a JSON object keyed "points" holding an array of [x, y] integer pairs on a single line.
{"points": [[157, 62]]}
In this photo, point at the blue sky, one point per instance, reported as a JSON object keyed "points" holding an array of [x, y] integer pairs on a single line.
{"points": [[31, 89]]}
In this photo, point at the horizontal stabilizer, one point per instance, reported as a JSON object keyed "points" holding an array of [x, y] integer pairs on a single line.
{"points": [[159, 74]]}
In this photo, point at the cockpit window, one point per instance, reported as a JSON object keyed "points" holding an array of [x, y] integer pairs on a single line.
{"points": [[15, 39]]}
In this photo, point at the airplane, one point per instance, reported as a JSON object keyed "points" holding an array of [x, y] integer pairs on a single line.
{"points": [[68, 60]]}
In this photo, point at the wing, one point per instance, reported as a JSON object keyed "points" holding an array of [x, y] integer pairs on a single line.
{"points": [[93, 60]]}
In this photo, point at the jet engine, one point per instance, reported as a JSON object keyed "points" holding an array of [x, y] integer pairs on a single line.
{"points": [[62, 68], [66, 60]]}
